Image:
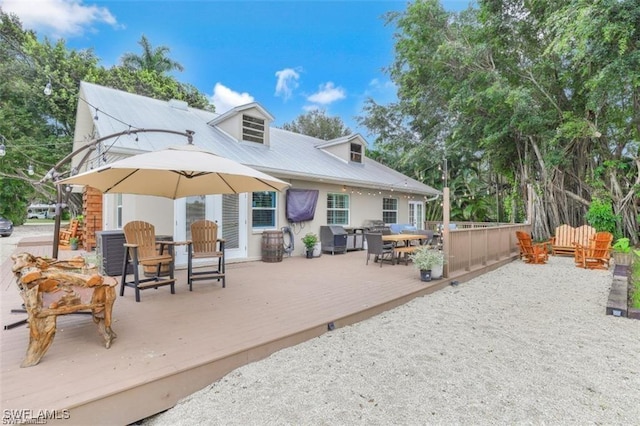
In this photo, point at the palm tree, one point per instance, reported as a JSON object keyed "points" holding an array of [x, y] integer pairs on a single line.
{"points": [[151, 59]]}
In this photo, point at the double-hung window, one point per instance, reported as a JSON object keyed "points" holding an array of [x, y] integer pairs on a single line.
{"points": [[390, 210], [356, 153], [263, 210], [337, 209]]}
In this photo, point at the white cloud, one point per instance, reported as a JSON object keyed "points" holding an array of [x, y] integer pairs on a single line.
{"points": [[224, 98], [385, 89], [326, 94], [287, 82], [59, 18]]}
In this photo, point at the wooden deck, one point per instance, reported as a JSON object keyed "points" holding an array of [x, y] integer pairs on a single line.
{"points": [[170, 346]]}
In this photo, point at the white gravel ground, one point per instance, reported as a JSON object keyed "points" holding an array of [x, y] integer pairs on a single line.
{"points": [[525, 344]]}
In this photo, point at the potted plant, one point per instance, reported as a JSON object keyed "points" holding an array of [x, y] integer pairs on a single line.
{"points": [[425, 260], [310, 240], [622, 251], [73, 243], [437, 269]]}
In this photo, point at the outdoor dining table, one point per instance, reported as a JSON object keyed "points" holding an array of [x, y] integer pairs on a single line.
{"points": [[406, 238], [407, 248]]}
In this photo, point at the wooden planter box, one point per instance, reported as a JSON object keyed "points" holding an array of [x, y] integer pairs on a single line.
{"points": [[618, 303]]}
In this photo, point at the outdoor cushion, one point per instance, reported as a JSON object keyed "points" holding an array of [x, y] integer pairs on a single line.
{"points": [[397, 228]]}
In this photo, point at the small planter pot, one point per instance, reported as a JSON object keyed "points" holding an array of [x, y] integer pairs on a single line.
{"points": [[425, 275], [74, 246], [622, 258], [309, 254], [436, 271]]}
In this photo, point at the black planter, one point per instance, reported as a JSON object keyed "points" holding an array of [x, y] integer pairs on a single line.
{"points": [[425, 275], [309, 254]]}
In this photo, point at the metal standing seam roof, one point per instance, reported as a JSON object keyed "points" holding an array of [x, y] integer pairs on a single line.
{"points": [[290, 155]]}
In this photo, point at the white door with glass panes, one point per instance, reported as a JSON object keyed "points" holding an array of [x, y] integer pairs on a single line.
{"points": [[416, 214], [229, 211]]}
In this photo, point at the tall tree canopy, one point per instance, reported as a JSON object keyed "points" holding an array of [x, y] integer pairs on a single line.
{"points": [[519, 93], [318, 124], [38, 128], [151, 59]]}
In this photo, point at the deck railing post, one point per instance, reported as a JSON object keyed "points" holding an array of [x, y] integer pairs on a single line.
{"points": [[446, 242]]}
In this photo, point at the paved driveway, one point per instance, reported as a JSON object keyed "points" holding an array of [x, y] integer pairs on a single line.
{"points": [[9, 244]]}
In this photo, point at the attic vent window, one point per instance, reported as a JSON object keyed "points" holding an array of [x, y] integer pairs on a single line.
{"points": [[252, 129], [356, 153]]}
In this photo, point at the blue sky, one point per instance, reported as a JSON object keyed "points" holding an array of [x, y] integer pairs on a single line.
{"points": [[289, 56]]}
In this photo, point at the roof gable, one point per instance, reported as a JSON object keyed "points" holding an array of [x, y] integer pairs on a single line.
{"points": [[249, 123], [252, 107], [350, 148]]}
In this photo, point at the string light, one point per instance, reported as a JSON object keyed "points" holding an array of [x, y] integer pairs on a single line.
{"points": [[47, 89], [30, 170]]}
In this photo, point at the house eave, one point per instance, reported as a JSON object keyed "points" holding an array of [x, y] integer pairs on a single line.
{"points": [[349, 182]]}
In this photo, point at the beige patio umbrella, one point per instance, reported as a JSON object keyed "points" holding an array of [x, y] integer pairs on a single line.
{"points": [[177, 172]]}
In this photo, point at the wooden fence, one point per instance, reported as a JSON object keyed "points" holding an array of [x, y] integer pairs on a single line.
{"points": [[472, 247]]}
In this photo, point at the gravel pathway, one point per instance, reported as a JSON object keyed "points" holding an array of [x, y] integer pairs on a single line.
{"points": [[524, 344]]}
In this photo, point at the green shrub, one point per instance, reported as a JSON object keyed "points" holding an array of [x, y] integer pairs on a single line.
{"points": [[622, 245], [601, 216]]}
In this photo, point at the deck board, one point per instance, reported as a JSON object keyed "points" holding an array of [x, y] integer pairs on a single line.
{"points": [[169, 346]]}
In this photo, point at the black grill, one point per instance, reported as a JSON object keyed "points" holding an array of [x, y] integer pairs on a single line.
{"points": [[333, 238], [111, 252], [375, 226]]}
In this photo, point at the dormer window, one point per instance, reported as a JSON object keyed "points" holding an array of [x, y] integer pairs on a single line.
{"points": [[252, 129], [356, 153]]}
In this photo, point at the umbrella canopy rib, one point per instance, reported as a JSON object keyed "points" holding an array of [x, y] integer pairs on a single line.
{"points": [[121, 180]]}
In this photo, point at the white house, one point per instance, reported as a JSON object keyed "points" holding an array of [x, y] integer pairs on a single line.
{"points": [[351, 188]]}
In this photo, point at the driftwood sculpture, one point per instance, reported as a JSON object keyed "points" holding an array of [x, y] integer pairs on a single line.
{"points": [[51, 287]]}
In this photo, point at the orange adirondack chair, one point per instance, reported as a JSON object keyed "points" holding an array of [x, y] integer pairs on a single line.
{"points": [[530, 252], [597, 254], [73, 230]]}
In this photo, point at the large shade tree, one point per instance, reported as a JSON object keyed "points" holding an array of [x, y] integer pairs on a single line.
{"points": [[37, 127], [519, 93]]}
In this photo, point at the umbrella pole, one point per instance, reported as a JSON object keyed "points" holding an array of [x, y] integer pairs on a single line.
{"points": [[56, 228]]}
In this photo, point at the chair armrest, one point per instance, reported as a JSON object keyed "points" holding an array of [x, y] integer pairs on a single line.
{"points": [[130, 245]]}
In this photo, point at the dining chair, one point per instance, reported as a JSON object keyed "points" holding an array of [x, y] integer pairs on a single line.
{"points": [[377, 248], [205, 244], [142, 249]]}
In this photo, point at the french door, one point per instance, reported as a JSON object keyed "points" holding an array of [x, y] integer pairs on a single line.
{"points": [[416, 214], [229, 211]]}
